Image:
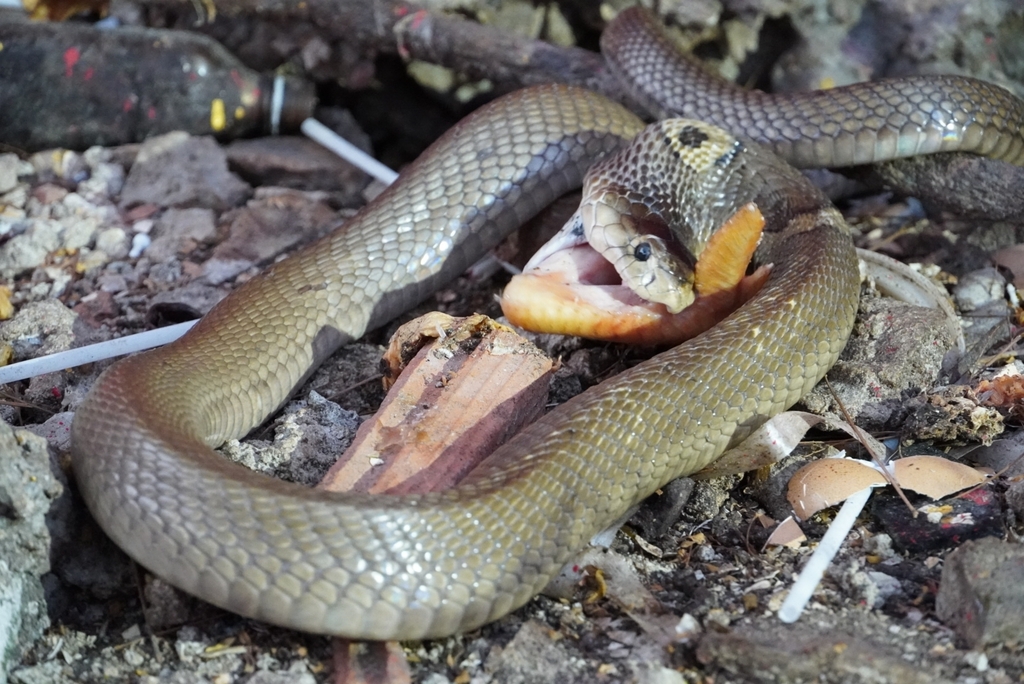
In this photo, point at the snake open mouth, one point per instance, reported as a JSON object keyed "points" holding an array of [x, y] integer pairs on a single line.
{"points": [[571, 289]]}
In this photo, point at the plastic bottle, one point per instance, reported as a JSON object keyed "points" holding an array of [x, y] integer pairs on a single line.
{"points": [[74, 85]]}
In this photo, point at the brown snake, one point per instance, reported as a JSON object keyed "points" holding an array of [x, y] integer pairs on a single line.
{"points": [[424, 566]]}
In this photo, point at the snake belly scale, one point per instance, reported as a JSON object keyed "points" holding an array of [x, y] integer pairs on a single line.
{"points": [[413, 567]]}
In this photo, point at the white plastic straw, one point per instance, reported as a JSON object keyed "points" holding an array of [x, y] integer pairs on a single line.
{"points": [[347, 151], [812, 573], [93, 352]]}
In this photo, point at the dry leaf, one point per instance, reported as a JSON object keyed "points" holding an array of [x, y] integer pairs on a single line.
{"points": [[1001, 391]]}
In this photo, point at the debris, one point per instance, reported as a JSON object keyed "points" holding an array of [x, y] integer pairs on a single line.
{"points": [[942, 524], [450, 408]]}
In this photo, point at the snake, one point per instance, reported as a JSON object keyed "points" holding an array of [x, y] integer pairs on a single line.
{"points": [[434, 564]]}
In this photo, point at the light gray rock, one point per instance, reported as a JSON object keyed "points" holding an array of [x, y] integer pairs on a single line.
{"points": [[27, 486]]}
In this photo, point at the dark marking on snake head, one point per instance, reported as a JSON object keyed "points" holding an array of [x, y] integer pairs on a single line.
{"points": [[642, 252], [484, 153], [577, 226], [730, 155], [691, 136]]}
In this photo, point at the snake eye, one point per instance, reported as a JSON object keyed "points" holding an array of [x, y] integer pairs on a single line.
{"points": [[642, 252]]}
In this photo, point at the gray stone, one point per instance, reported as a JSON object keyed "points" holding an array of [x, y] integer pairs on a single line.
{"points": [[533, 656], [894, 347], [981, 594], [9, 164], [113, 242], [38, 329], [56, 430], [176, 170], [294, 162], [179, 231], [28, 250]]}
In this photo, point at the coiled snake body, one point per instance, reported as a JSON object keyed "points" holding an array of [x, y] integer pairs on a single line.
{"points": [[424, 566]]}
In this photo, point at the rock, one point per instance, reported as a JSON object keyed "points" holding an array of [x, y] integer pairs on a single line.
{"points": [[217, 271], [166, 607], [105, 182], [179, 231], [27, 487], [56, 430], [56, 224], [10, 166], [981, 594], [324, 430], [298, 163], [38, 329], [274, 221], [184, 303], [308, 437], [858, 40], [29, 248], [176, 170], [660, 511], [1003, 455], [113, 242], [1015, 499], [874, 588], [976, 289], [894, 347], [100, 306], [805, 655], [265, 677], [534, 655]]}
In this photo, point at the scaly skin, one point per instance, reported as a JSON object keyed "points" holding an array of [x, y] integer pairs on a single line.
{"points": [[413, 567], [855, 124]]}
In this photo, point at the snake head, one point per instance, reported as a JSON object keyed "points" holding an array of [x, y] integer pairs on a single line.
{"points": [[649, 268]]}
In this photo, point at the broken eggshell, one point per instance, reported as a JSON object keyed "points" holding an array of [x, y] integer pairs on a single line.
{"points": [[935, 477], [830, 481]]}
